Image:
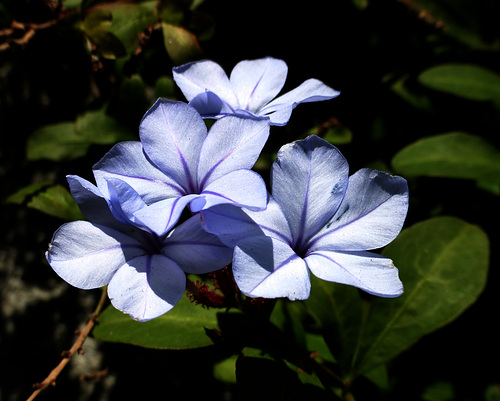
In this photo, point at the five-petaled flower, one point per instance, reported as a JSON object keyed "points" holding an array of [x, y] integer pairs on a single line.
{"points": [[250, 89], [178, 164], [145, 272], [318, 219]]}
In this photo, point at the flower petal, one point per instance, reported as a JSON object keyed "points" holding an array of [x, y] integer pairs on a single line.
{"points": [[127, 162], [233, 143], [195, 250], [172, 134], [312, 90], [243, 188], [369, 271], [269, 268], [371, 215], [160, 217], [309, 179], [91, 202], [124, 201], [257, 82], [208, 104], [147, 287], [87, 255], [231, 224], [205, 75]]}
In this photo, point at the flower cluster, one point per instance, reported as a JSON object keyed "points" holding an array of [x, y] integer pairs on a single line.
{"points": [[185, 200]]}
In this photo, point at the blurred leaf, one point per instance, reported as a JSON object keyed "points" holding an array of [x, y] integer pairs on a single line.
{"points": [[165, 87], [416, 100], [464, 80], [129, 20], [96, 26], [451, 155], [440, 391], [182, 46], [462, 20], [57, 201], [183, 327], [56, 142], [287, 316], [443, 263]]}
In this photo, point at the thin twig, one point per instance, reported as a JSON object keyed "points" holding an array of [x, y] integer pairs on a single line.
{"points": [[76, 348]]}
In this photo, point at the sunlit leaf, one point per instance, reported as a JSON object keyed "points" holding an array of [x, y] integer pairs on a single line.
{"points": [[452, 155], [443, 263], [56, 201], [465, 80], [183, 327], [27, 192]]}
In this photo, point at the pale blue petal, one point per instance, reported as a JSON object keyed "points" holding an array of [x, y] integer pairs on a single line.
{"points": [[160, 217], [269, 268], [257, 82], [243, 188], [309, 179], [233, 143], [231, 223], [147, 287], [127, 162], [371, 272], [371, 215], [195, 250], [208, 104], [87, 255], [172, 134], [312, 90], [205, 75], [91, 202], [124, 201]]}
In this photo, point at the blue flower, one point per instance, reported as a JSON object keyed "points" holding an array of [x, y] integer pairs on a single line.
{"points": [[318, 220], [249, 90], [145, 273], [178, 164]]}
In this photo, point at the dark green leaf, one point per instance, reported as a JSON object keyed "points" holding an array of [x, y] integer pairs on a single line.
{"points": [[338, 310], [183, 327], [443, 263], [452, 155], [98, 128], [56, 142], [25, 193], [464, 80]]}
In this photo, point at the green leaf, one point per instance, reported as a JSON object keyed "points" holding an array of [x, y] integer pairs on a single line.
{"points": [[70, 140], [183, 327], [443, 263], [451, 155], [338, 311], [182, 46], [57, 201], [465, 80]]}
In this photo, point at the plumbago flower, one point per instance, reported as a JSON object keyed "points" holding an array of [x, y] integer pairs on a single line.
{"points": [[145, 272], [318, 220], [178, 164], [249, 90]]}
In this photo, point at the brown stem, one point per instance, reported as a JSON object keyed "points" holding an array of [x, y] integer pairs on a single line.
{"points": [[76, 348]]}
